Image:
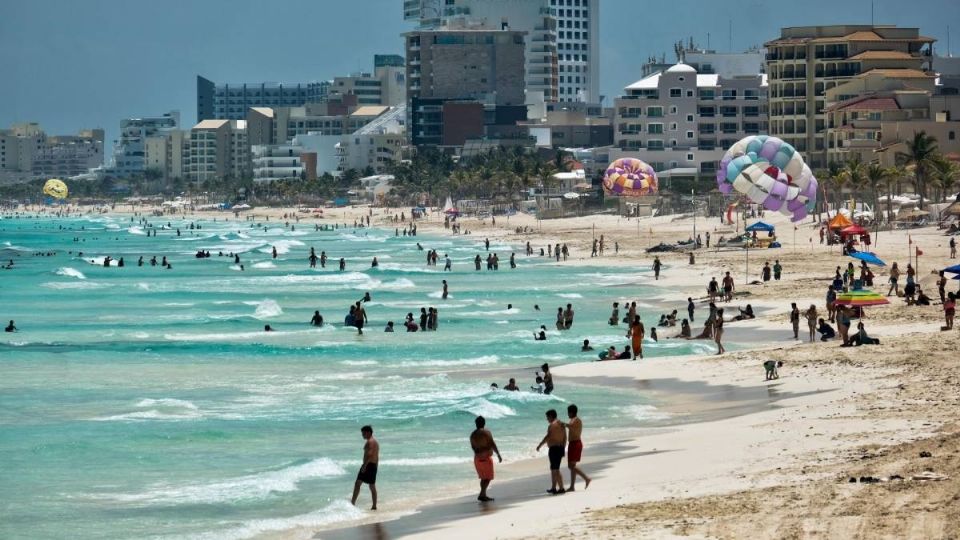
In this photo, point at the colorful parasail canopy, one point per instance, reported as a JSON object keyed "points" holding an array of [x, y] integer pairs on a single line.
{"points": [[630, 177], [861, 298], [55, 188], [770, 172]]}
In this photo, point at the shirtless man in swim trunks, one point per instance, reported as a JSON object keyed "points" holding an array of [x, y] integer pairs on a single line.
{"points": [[575, 447], [481, 440], [556, 440], [368, 471]]}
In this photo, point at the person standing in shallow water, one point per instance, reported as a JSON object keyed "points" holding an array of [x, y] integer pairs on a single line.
{"points": [[483, 445], [368, 471], [636, 337]]}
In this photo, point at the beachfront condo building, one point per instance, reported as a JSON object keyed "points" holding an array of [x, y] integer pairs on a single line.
{"points": [[329, 131], [535, 17], [464, 83], [167, 154], [804, 63], [130, 152], [386, 85], [680, 121], [28, 153], [874, 114], [218, 150], [563, 38]]}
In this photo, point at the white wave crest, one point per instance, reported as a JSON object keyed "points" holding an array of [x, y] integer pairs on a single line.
{"points": [[254, 486], [306, 524], [264, 264], [70, 272], [266, 309], [478, 361]]}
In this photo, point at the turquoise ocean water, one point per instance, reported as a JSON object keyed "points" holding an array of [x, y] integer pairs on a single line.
{"points": [[140, 402]]}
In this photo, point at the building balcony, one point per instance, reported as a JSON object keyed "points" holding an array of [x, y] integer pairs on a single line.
{"points": [[630, 115], [860, 143]]}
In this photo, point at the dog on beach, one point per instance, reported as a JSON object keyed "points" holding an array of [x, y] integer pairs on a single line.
{"points": [[770, 366]]}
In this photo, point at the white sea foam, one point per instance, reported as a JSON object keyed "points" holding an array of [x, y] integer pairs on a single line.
{"points": [[264, 264], [282, 246], [137, 230], [70, 272], [253, 486], [74, 285], [98, 261], [488, 409], [645, 412], [359, 362], [478, 361], [570, 295], [167, 402], [266, 308], [409, 268], [335, 512], [410, 462], [179, 304]]}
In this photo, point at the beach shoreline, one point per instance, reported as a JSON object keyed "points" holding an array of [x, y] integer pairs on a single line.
{"points": [[843, 404]]}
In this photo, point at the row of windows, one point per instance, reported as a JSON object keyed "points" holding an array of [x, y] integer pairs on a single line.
{"points": [[572, 46], [574, 3], [572, 35], [572, 57]]}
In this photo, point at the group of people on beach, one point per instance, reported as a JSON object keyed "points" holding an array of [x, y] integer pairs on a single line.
{"points": [[562, 439]]}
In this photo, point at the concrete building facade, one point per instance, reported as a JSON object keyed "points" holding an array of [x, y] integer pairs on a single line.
{"points": [[168, 153], [806, 62], [536, 17], [680, 119], [131, 147], [463, 66], [27, 153], [231, 100], [578, 49], [219, 149]]}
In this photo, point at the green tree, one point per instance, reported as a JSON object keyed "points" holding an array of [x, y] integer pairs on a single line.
{"points": [[919, 156]]}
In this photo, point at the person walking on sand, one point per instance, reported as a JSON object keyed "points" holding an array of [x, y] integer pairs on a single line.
{"points": [[831, 307], [636, 337], [812, 316], [728, 288], [894, 277], [481, 440], [953, 248], [718, 331], [656, 268], [949, 310], [777, 270], [795, 320], [368, 471], [575, 447], [556, 440]]}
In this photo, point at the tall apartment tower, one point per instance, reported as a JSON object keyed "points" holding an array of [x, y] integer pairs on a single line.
{"points": [[805, 62], [474, 74], [578, 49], [535, 17]]}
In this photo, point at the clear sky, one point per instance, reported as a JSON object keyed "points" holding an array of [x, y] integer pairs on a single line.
{"points": [[71, 64]]}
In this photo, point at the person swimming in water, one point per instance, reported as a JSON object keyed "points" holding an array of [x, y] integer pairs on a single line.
{"points": [[541, 335], [317, 319], [10, 327]]}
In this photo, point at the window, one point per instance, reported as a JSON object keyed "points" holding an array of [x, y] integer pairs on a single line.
{"points": [[689, 118], [673, 109], [655, 144], [689, 157], [655, 112], [655, 128], [673, 126], [676, 92], [689, 135], [952, 135], [689, 93]]}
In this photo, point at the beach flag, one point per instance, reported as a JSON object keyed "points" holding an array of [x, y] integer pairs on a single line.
{"points": [[919, 252]]}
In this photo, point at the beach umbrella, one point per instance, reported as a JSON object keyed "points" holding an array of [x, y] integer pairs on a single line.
{"points": [[860, 298], [571, 195], [955, 269], [868, 258]]}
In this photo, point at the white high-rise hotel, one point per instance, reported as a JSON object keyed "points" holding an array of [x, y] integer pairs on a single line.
{"points": [[562, 51]]}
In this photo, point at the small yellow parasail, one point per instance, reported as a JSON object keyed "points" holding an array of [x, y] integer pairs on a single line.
{"points": [[55, 188]]}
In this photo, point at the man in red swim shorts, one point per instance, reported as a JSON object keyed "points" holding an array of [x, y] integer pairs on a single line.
{"points": [[575, 447], [481, 440]]}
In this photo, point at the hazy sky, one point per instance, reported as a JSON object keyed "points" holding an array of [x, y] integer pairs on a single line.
{"points": [[72, 64]]}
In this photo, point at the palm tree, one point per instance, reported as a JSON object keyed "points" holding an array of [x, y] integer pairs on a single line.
{"points": [[945, 175], [833, 178], [877, 176], [919, 156], [854, 173]]}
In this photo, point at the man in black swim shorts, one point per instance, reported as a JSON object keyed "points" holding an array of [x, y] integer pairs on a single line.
{"points": [[556, 441]]}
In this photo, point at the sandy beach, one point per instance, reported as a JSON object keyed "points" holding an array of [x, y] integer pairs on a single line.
{"points": [[755, 458]]}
